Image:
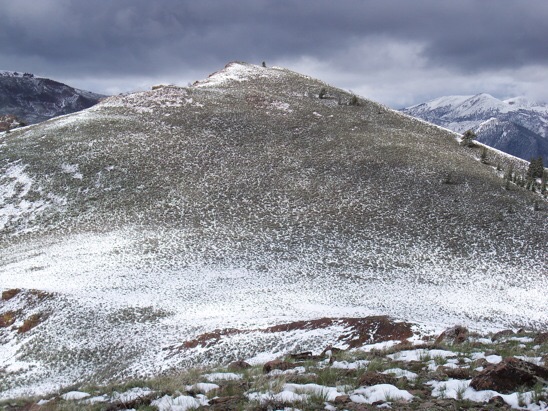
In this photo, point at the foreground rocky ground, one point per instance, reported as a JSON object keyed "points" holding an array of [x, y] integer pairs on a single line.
{"points": [[455, 370]]}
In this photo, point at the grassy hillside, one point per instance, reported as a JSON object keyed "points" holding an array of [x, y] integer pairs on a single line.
{"points": [[246, 199]]}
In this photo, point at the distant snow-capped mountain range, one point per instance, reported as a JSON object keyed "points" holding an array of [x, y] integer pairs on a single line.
{"points": [[516, 125], [34, 99]]}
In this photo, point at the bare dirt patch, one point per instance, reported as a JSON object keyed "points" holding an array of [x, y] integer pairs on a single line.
{"points": [[358, 331]]}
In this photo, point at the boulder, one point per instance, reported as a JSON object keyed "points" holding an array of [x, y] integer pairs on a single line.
{"points": [[498, 402], [455, 335], [509, 375], [342, 399], [504, 333]]}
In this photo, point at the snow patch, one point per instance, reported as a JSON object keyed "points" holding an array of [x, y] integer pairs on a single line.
{"points": [[74, 395], [380, 392], [180, 403], [222, 376]]}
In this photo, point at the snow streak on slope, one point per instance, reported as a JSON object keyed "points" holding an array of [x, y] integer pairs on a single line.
{"points": [[21, 201]]}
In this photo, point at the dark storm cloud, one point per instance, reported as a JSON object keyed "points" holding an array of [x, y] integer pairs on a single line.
{"points": [[70, 38]]}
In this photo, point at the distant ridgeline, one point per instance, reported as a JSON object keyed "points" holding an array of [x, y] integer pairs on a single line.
{"points": [[33, 99], [5, 73], [516, 126]]}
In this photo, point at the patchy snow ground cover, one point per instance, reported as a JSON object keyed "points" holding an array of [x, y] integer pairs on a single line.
{"points": [[256, 389], [459, 389], [140, 279]]}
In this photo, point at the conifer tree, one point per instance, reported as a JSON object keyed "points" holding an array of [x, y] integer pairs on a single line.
{"points": [[468, 137], [536, 168]]}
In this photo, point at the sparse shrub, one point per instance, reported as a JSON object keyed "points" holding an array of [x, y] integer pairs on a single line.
{"points": [[538, 393], [439, 360], [483, 156], [30, 323], [468, 138], [7, 319], [354, 101], [509, 176], [449, 178], [322, 93], [9, 294], [460, 391]]}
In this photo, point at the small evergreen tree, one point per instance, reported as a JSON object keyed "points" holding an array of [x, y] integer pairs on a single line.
{"points": [[536, 168], [468, 137], [354, 101]]}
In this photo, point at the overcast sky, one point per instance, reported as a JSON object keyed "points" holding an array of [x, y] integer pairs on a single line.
{"points": [[398, 52]]}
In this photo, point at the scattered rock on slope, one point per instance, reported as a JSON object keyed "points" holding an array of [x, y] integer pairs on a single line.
{"points": [[509, 375]]}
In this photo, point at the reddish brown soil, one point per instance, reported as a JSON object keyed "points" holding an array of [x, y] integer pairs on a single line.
{"points": [[358, 331]]}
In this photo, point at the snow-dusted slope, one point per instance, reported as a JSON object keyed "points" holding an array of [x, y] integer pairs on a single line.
{"points": [[527, 120], [34, 99], [243, 202]]}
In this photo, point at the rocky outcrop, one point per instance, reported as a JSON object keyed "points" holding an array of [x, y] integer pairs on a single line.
{"points": [[509, 375], [455, 335], [9, 122]]}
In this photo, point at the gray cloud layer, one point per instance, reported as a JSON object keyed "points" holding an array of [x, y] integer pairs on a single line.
{"points": [[396, 51]]}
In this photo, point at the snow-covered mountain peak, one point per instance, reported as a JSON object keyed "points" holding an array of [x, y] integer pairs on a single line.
{"points": [[481, 103], [443, 102], [491, 119]]}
